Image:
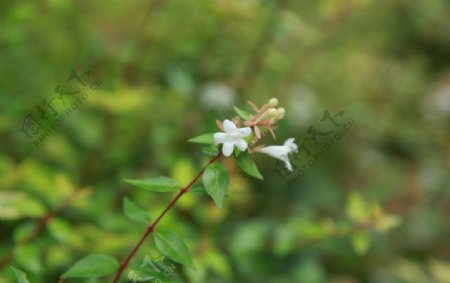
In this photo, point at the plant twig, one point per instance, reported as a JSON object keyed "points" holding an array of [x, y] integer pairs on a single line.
{"points": [[39, 226], [151, 228]]}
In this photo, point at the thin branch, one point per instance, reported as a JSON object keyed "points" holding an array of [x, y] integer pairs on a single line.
{"points": [[151, 228], [40, 225]]}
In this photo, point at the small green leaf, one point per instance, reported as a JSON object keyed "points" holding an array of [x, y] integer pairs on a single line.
{"points": [[357, 208], [135, 212], [215, 180], [211, 150], [361, 243], [205, 138], [173, 247], [93, 265], [20, 275], [16, 205], [158, 184], [60, 229], [247, 165], [244, 114], [198, 189]]}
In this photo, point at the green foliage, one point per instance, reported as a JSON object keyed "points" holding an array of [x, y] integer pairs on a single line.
{"points": [[173, 247], [246, 163], [16, 205], [135, 212], [205, 138], [357, 209], [158, 184], [211, 150], [361, 242], [94, 265], [216, 180], [20, 275], [244, 114], [384, 63]]}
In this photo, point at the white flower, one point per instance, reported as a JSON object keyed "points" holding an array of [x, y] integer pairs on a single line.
{"points": [[232, 137], [217, 95], [281, 151]]}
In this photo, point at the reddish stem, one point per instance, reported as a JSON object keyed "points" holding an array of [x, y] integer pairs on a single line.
{"points": [[39, 226], [151, 228]]}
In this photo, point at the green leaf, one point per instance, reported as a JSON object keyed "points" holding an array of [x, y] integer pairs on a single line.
{"points": [[20, 275], [357, 208], [158, 184], [60, 229], [247, 165], [361, 243], [198, 189], [205, 138], [244, 114], [93, 265], [211, 150], [215, 180], [173, 247], [135, 212], [17, 205]]}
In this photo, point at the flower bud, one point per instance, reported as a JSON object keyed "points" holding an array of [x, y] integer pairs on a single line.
{"points": [[268, 114], [280, 113], [273, 102], [272, 112]]}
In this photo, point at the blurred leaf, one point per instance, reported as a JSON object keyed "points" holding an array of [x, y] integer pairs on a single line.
{"points": [[183, 170], [246, 163], [244, 114], [440, 271], [93, 265], [284, 240], [173, 247], [135, 212], [218, 263], [205, 138], [357, 209], [384, 222], [250, 237], [158, 184], [361, 242], [28, 256], [211, 150], [60, 229], [16, 205], [215, 180], [20, 275], [199, 189], [310, 271], [23, 231]]}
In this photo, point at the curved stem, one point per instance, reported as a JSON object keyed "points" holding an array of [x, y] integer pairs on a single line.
{"points": [[151, 228], [38, 227]]}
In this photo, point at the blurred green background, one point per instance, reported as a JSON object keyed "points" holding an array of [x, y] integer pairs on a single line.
{"points": [[374, 208]]}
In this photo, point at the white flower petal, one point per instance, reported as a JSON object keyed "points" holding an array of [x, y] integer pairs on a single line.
{"points": [[227, 149], [286, 161], [242, 145], [289, 141], [219, 138], [245, 131], [290, 145], [275, 150], [228, 126]]}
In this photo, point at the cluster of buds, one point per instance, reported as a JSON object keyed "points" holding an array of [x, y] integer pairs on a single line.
{"points": [[266, 116], [256, 125]]}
